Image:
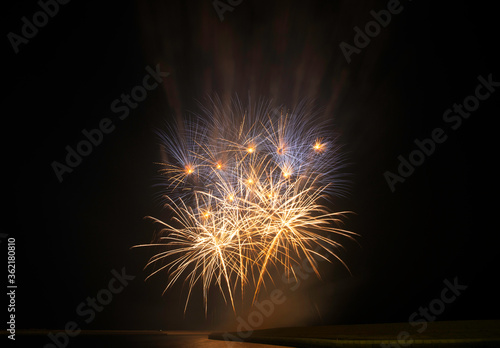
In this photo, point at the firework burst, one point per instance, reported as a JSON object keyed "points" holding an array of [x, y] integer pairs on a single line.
{"points": [[248, 188]]}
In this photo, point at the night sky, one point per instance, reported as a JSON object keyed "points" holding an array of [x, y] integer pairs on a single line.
{"points": [[439, 224]]}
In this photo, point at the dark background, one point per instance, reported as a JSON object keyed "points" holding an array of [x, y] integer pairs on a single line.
{"points": [[439, 224]]}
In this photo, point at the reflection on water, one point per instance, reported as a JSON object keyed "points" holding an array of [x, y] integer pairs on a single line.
{"points": [[176, 340]]}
